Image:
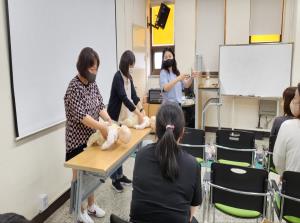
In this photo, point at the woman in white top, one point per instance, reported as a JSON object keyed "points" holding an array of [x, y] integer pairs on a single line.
{"points": [[287, 147]]}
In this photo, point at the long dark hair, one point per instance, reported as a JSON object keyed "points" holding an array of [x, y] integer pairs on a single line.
{"points": [[169, 127], [288, 96], [174, 67], [126, 60]]}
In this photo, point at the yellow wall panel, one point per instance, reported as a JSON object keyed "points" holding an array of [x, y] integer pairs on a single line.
{"points": [[163, 36]]}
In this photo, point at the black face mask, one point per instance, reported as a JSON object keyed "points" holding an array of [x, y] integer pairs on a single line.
{"points": [[168, 63], [90, 77]]}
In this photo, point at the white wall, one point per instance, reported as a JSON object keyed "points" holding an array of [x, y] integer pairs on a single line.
{"points": [[237, 21], [185, 29], [289, 21], [34, 165], [129, 13], [265, 17], [296, 61], [210, 16]]}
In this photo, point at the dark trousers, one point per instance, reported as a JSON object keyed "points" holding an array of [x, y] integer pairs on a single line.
{"points": [[117, 174]]}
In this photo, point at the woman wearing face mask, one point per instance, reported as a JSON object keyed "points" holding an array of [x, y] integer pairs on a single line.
{"points": [[83, 107], [287, 147], [170, 79], [123, 103]]}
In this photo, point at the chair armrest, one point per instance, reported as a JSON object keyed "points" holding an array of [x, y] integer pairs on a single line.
{"points": [[235, 149], [189, 145]]}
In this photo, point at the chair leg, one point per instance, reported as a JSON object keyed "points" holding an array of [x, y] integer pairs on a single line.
{"points": [[214, 214], [72, 196], [208, 211], [204, 207]]}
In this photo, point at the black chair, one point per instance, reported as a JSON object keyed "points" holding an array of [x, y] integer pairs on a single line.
{"points": [[286, 201], [235, 147], [269, 163], [116, 219], [13, 218], [193, 142], [240, 192]]}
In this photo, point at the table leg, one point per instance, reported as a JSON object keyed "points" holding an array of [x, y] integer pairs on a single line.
{"points": [[78, 197]]}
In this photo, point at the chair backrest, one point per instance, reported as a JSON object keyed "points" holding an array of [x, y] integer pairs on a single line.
{"points": [[116, 219], [239, 178], [193, 136], [235, 140], [291, 187]]}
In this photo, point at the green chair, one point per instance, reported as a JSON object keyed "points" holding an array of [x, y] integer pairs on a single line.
{"points": [[240, 192], [235, 147], [286, 202]]}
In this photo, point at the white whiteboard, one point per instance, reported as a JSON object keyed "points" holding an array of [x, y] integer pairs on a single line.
{"points": [[46, 37], [262, 70]]}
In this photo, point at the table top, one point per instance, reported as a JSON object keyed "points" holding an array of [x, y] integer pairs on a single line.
{"points": [[94, 159]]}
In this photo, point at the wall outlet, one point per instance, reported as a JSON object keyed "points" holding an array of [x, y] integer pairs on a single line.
{"points": [[43, 202]]}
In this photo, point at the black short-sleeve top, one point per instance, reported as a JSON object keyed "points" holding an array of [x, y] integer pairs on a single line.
{"points": [[155, 199]]}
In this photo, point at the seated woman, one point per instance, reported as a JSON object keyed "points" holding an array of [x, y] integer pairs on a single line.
{"points": [[287, 146], [287, 96], [166, 180]]}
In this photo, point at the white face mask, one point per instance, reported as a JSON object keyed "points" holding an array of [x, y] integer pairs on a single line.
{"points": [[295, 108], [130, 71]]}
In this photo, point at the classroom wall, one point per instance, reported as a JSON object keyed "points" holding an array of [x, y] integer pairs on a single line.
{"points": [[209, 35], [245, 114], [34, 165], [130, 13], [237, 21], [238, 14], [185, 27], [296, 59]]}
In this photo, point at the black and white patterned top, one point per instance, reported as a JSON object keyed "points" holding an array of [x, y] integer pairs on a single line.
{"points": [[80, 100]]}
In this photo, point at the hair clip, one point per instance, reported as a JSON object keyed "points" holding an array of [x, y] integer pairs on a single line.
{"points": [[170, 127]]}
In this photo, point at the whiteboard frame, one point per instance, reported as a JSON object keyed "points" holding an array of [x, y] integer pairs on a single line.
{"points": [[255, 44]]}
